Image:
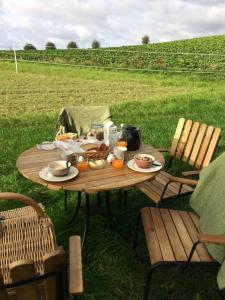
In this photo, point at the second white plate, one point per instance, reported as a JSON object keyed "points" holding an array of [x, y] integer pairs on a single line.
{"points": [[132, 165], [47, 175]]}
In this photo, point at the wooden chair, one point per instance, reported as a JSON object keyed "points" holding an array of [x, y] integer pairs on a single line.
{"points": [[173, 239], [193, 143], [32, 265]]}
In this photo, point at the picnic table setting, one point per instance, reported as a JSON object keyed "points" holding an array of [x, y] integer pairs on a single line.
{"points": [[91, 155]]}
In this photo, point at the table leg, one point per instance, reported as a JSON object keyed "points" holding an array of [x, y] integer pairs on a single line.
{"points": [[86, 228], [110, 216], [65, 200], [76, 210]]}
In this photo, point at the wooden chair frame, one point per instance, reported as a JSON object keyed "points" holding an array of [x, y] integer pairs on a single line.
{"points": [[193, 143], [202, 238]]}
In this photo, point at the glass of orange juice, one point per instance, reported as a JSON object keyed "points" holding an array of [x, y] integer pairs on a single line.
{"points": [[82, 164], [117, 163]]}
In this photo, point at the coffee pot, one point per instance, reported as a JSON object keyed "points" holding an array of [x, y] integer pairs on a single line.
{"points": [[133, 137]]}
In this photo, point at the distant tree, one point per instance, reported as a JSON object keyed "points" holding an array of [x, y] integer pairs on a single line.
{"points": [[29, 47], [50, 46], [72, 45], [145, 40], [95, 44]]}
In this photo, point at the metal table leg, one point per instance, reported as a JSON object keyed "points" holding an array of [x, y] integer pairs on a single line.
{"points": [[109, 213], [86, 228], [76, 210], [65, 200]]}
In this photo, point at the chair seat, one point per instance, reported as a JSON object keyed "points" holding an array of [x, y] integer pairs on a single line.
{"points": [[154, 188], [170, 235]]}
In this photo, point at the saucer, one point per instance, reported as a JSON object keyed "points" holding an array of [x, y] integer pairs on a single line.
{"points": [[47, 175], [132, 165]]}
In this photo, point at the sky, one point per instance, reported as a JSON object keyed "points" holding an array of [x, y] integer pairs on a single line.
{"points": [[111, 22]]}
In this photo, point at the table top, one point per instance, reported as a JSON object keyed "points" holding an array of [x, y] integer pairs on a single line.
{"points": [[31, 161]]}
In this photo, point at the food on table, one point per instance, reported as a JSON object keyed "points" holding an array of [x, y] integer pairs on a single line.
{"points": [[97, 164], [110, 158], [144, 161], [66, 136], [90, 147]]}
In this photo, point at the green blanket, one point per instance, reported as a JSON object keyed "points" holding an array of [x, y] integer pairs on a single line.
{"points": [[78, 119], [208, 201]]}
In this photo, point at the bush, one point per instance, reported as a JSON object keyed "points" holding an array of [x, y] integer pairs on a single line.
{"points": [[50, 46], [95, 44], [29, 47], [145, 40], [72, 45]]}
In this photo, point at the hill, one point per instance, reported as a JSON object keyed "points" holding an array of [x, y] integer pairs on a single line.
{"points": [[200, 54]]}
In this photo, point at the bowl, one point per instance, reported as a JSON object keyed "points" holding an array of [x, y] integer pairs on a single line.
{"points": [[59, 167], [97, 164], [144, 161]]}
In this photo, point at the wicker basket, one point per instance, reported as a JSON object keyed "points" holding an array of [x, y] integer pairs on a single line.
{"points": [[93, 155], [25, 234]]}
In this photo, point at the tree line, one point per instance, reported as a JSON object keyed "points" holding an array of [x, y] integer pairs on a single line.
{"points": [[73, 45]]}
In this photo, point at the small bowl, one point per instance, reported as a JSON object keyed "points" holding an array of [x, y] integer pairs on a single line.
{"points": [[97, 164], [59, 167], [144, 161]]}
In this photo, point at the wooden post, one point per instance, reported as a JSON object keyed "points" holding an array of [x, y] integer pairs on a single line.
{"points": [[14, 50]]}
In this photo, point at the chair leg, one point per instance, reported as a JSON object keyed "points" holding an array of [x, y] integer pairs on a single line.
{"points": [[135, 239], [147, 285], [222, 294]]}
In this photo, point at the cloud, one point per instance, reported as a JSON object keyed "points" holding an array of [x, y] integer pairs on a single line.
{"points": [[112, 22]]}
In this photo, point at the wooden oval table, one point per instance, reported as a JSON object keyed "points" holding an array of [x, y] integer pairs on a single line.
{"points": [[33, 160]]}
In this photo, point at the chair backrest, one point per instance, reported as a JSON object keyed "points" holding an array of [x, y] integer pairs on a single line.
{"points": [[78, 119], [194, 143]]}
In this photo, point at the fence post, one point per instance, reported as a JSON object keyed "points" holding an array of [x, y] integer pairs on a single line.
{"points": [[14, 50]]}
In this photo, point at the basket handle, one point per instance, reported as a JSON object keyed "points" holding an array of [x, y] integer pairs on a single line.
{"points": [[24, 199]]}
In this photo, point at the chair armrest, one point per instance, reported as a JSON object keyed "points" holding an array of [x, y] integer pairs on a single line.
{"points": [[211, 238], [183, 180], [162, 149], [191, 173], [75, 266]]}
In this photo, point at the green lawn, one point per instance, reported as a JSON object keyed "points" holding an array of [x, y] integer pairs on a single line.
{"points": [[29, 104]]}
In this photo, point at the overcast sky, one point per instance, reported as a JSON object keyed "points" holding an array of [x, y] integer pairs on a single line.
{"points": [[112, 22]]}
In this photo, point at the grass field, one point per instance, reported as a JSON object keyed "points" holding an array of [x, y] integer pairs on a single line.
{"points": [[29, 104]]}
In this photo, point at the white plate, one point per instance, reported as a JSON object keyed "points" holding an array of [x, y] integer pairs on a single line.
{"points": [[47, 175], [132, 165]]}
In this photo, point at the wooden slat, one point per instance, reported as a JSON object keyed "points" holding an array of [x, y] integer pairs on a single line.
{"points": [[75, 271], [183, 234], [195, 219], [193, 232], [197, 144], [163, 239], [204, 147], [191, 140], [176, 244], [148, 192], [20, 270], [183, 139], [51, 262], [177, 135], [151, 237], [212, 147]]}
